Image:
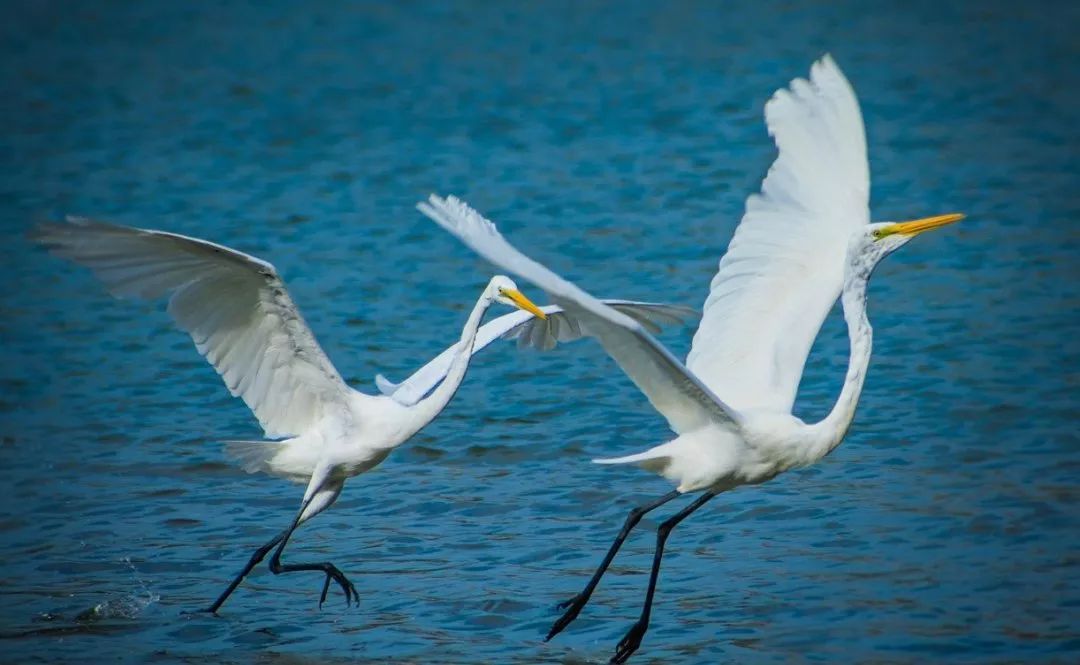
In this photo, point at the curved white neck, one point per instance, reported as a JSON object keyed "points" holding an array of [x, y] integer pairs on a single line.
{"points": [[426, 409], [827, 434]]}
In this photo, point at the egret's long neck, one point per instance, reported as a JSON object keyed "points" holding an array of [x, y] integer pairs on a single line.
{"points": [[426, 409], [828, 433]]}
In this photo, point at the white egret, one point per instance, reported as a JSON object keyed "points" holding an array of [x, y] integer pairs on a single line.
{"points": [[238, 312], [806, 239]]}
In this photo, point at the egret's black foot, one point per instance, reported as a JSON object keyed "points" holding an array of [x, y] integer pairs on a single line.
{"points": [[325, 588], [332, 573], [330, 570], [574, 604], [630, 643]]}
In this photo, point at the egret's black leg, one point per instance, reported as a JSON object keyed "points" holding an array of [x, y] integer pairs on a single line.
{"points": [[575, 604], [630, 643], [330, 570], [258, 556]]}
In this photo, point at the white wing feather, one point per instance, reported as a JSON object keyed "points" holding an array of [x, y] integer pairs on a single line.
{"points": [[784, 267], [673, 391], [234, 306], [529, 331]]}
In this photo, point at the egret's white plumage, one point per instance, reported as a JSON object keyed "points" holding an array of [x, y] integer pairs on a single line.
{"points": [[784, 267], [234, 306], [679, 396], [530, 332], [241, 318], [802, 242]]}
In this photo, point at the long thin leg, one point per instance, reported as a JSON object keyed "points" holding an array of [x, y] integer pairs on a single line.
{"points": [[258, 556], [576, 603], [316, 503], [330, 570], [630, 643]]}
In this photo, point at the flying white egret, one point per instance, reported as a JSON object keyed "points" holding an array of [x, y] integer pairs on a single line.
{"points": [[236, 309], [806, 239]]}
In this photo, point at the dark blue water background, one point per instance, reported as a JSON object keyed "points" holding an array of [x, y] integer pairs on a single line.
{"points": [[617, 141]]}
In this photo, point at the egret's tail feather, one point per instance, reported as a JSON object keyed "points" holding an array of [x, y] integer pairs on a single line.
{"points": [[651, 460], [252, 456]]}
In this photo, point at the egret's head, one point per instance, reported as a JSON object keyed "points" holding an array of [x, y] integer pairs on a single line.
{"points": [[880, 240], [504, 291]]}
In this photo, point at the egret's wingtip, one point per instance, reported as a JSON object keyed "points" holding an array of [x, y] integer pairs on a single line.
{"points": [[826, 68]]}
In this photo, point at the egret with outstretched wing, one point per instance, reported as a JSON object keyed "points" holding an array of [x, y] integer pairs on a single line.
{"points": [[804, 240], [236, 309]]}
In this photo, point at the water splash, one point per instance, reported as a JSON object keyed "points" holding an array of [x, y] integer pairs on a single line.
{"points": [[126, 606]]}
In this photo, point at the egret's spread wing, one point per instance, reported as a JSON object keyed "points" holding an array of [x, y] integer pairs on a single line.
{"points": [[784, 267], [234, 306], [529, 331], [673, 391]]}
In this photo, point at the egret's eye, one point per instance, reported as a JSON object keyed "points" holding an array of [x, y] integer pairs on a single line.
{"points": [[878, 234]]}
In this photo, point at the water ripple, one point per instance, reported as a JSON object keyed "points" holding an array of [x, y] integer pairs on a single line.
{"points": [[943, 529]]}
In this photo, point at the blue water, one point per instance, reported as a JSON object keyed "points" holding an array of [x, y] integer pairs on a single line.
{"points": [[616, 141]]}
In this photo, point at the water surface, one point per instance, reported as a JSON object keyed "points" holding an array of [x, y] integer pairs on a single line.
{"points": [[616, 142]]}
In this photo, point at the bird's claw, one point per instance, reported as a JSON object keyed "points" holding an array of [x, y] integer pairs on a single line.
{"points": [[355, 594], [574, 604], [325, 589], [629, 643], [351, 595]]}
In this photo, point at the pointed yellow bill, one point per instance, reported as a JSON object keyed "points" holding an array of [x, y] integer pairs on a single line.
{"points": [[524, 303], [925, 224]]}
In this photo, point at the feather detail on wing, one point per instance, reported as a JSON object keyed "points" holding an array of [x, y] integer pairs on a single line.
{"points": [[529, 331], [784, 266], [677, 394], [234, 306]]}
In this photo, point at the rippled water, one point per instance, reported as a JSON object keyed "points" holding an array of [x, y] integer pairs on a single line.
{"points": [[616, 141]]}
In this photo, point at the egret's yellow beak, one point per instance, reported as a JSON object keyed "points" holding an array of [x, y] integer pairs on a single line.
{"points": [[917, 226], [524, 303]]}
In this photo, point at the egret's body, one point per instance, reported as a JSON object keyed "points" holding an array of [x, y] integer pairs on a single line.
{"points": [[238, 312], [805, 240]]}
